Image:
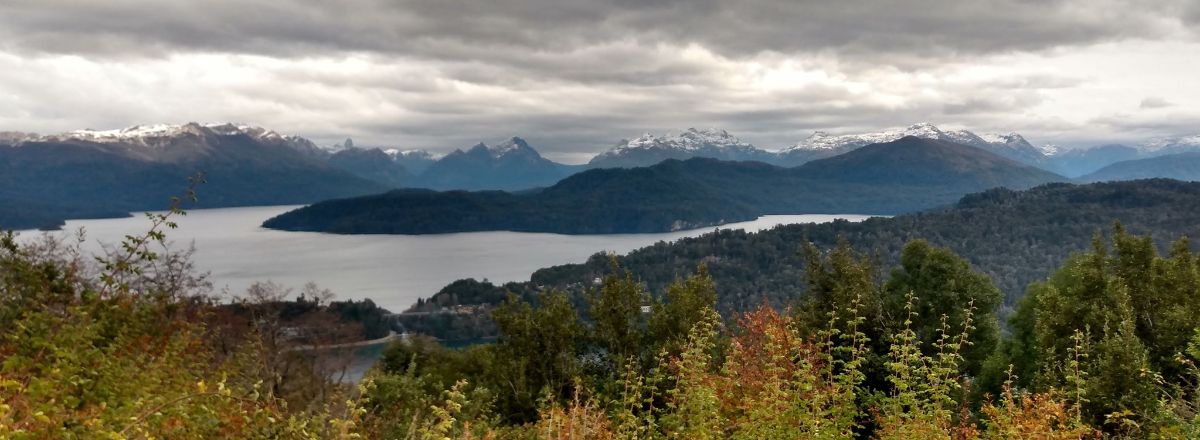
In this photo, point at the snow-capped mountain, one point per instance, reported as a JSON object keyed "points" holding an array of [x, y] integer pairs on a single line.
{"points": [[649, 149], [822, 144], [149, 134], [513, 147], [170, 142], [821, 140]]}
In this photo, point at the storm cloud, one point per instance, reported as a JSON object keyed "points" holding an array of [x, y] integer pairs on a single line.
{"points": [[575, 76]]}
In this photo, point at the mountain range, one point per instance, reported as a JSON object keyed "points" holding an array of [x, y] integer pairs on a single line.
{"points": [[904, 175], [510, 165], [66, 175], [719, 144], [484, 167]]}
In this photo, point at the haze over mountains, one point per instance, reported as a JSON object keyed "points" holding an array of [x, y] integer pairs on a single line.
{"points": [[66, 175], [1179, 166], [1078, 162]]}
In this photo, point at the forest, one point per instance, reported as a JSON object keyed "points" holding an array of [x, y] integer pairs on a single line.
{"points": [[128, 345], [1014, 237]]}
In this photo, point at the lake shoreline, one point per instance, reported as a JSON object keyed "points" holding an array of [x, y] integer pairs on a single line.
{"points": [[391, 270]]}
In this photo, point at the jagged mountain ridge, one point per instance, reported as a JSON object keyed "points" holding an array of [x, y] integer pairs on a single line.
{"points": [[509, 165]]}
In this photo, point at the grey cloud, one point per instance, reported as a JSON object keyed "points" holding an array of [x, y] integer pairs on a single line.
{"points": [[572, 76], [1140, 127], [1153, 102], [976, 105], [1192, 14], [921, 29]]}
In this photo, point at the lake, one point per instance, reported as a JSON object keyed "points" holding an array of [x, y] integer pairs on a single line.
{"points": [[392, 270]]}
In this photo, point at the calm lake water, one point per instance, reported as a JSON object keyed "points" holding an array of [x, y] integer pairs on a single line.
{"points": [[392, 270]]}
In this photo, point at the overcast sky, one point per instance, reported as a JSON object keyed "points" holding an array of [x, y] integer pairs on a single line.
{"points": [[575, 76]]}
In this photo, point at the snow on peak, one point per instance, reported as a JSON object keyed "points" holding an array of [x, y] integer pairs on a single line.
{"points": [[411, 154], [1013, 140], [159, 136], [509, 146], [994, 138], [692, 139], [923, 130], [1157, 144], [821, 140], [143, 133], [1049, 149]]}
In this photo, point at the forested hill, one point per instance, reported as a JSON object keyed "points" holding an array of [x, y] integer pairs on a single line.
{"points": [[1016, 237], [905, 175]]}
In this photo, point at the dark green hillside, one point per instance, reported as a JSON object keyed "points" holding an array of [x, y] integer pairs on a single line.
{"points": [[907, 175], [76, 179], [656, 204], [1016, 237]]}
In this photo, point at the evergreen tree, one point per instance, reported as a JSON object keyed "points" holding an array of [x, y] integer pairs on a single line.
{"points": [[686, 303], [537, 352], [615, 310], [945, 285]]}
